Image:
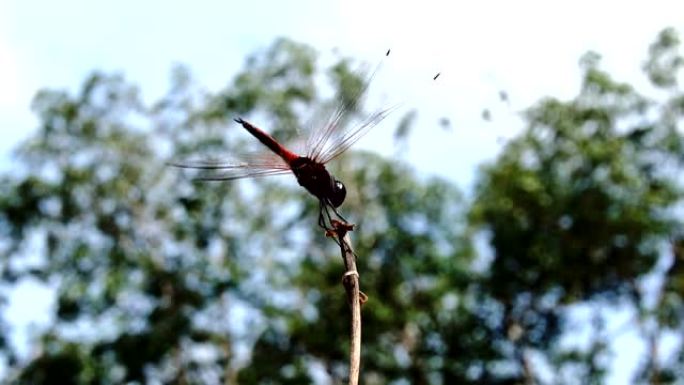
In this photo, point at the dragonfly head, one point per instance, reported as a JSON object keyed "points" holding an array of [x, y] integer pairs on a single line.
{"points": [[338, 193]]}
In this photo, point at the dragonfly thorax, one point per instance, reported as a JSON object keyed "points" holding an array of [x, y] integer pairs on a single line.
{"points": [[317, 180]]}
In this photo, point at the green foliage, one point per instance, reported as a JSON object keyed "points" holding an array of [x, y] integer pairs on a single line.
{"points": [[141, 254], [575, 204], [162, 280], [578, 208]]}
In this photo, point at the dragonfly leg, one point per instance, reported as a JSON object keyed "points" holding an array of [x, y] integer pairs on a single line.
{"points": [[321, 219], [338, 226], [338, 214], [326, 225], [333, 225]]}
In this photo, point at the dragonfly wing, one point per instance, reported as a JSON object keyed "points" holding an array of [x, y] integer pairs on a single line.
{"points": [[247, 165], [335, 145], [336, 137]]}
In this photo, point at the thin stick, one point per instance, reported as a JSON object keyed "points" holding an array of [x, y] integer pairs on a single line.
{"points": [[354, 298]]}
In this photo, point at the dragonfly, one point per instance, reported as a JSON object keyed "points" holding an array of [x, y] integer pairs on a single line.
{"points": [[324, 144]]}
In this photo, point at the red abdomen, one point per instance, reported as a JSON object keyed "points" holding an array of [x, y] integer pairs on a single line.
{"points": [[269, 141]]}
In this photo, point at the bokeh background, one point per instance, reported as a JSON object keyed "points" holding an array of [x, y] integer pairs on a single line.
{"points": [[519, 217]]}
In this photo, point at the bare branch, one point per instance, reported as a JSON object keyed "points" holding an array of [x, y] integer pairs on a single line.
{"points": [[355, 297]]}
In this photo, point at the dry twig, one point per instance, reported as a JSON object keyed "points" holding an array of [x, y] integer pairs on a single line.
{"points": [[355, 297]]}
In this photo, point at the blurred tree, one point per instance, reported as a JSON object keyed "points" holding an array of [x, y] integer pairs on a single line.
{"points": [[148, 266], [161, 280], [579, 207]]}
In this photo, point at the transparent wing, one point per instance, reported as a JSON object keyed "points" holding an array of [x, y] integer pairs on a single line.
{"points": [[337, 135], [342, 138], [246, 165]]}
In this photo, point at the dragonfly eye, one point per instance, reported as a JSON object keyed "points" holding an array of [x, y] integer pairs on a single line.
{"points": [[339, 192]]}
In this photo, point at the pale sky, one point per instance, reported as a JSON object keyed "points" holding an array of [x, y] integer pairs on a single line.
{"points": [[530, 49]]}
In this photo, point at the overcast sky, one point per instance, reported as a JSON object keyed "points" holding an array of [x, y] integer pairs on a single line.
{"points": [[530, 49]]}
